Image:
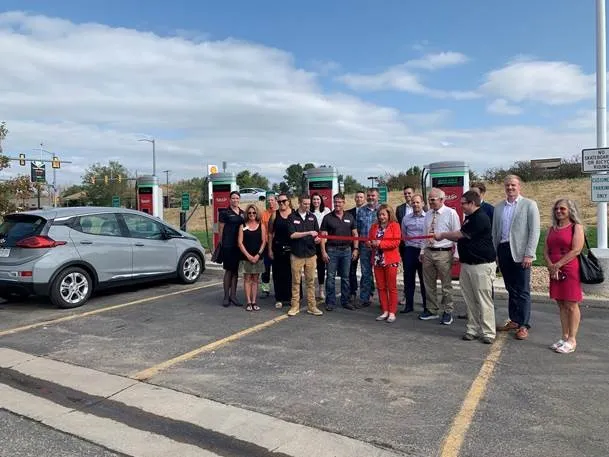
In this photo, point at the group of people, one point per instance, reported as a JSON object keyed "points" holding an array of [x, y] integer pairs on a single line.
{"points": [[426, 238]]}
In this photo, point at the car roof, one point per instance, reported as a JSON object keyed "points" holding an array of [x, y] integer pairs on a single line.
{"points": [[55, 213]]}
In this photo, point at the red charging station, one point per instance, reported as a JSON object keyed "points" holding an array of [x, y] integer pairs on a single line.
{"points": [[452, 178], [149, 196], [222, 184], [324, 181]]}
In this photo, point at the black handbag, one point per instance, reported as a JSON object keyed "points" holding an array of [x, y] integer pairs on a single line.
{"points": [[590, 270], [217, 256]]}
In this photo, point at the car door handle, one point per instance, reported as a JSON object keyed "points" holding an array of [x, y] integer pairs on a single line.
{"points": [[86, 242], [140, 244]]}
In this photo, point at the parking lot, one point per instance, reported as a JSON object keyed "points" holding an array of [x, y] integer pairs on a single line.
{"points": [[411, 387]]}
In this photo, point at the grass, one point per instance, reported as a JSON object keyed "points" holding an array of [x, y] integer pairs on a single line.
{"points": [[204, 237], [540, 261]]}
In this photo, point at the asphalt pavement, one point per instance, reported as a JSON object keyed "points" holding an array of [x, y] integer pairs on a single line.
{"points": [[398, 387]]}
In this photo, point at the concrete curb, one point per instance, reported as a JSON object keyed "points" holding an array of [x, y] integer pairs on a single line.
{"points": [[591, 301]]}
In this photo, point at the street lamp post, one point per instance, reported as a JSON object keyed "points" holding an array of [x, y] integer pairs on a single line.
{"points": [[372, 179], [167, 186], [153, 153], [601, 111], [41, 149]]}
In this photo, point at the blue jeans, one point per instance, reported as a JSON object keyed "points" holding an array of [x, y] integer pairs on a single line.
{"points": [[340, 261], [518, 284], [365, 265]]}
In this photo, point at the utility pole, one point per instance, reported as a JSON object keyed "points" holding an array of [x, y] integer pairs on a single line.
{"points": [[167, 186]]}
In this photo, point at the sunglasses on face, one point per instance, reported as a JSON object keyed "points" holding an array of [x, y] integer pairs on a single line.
{"points": [[282, 201], [561, 208], [252, 212]]}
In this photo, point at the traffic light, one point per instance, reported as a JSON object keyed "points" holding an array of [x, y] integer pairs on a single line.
{"points": [[120, 178], [22, 159], [56, 163], [106, 179], [92, 179]]}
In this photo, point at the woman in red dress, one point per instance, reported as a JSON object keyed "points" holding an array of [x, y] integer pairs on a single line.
{"points": [[384, 240], [564, 242]]}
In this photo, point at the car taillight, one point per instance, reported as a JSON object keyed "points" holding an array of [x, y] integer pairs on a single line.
{"points": [[38, 242]]}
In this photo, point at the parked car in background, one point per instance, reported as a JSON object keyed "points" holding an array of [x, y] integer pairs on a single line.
{"points": [[68, 253], [252, 194]]}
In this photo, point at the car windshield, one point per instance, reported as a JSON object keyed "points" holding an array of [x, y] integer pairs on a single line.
{"points": [[19, 226]]}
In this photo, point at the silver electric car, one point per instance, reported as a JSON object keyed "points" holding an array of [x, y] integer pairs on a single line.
{"points": [[67, 253]]}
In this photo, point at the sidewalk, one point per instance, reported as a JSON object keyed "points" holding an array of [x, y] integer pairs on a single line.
{"points": [[500, 291]]}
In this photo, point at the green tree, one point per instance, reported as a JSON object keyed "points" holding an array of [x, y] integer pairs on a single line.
{"points": [[7, 192], [94, 181], [294, 177], [245, 179], [351, 185]]}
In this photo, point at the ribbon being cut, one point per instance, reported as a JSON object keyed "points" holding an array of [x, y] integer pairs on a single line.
{"points": [[365, 238]]}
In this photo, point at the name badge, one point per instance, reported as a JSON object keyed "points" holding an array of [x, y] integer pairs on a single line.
{"points": [[348, 221], [296, 222]]}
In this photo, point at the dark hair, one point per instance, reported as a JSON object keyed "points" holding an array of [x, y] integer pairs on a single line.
{"points": [[304, 197], [373, 189], [471, 196], [339, 195], [360, 191], [390, 213], [479, 185], [322, 205], [408, 187], [234, 192]]}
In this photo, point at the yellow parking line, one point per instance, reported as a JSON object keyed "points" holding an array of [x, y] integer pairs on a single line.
{"points": [[156, 369], [456, 435], [102, 310]]}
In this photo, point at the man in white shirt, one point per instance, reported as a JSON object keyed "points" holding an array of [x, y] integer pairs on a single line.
{"points": [[437, 257]]}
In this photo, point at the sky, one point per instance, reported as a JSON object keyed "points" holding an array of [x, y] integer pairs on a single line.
{"points": [[370, 87]]}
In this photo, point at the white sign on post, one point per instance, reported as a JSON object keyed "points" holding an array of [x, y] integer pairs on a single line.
{"points": [[595, 160], [600, 188]]}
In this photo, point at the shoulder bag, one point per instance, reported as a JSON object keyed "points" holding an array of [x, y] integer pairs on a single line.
{"points": [[590, 270]]}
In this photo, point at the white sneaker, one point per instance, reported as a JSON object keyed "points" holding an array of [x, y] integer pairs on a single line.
{"points": [[383, 316], [278, 305]]}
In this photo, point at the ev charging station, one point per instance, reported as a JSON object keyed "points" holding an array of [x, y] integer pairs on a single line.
{"points": [[453, 178], [149, 196], [324, 181], [222, 184]]}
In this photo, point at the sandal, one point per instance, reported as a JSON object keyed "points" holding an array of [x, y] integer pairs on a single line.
{"points": [[255, 307], [566, 348], [249, 307]]}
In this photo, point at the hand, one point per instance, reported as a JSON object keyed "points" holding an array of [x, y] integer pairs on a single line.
{"points": [[271, 254], [317, 240], [354, 254], [527, 262], [455, 260], [438, 236], [325, 257], [375, 243], [313, 233]]}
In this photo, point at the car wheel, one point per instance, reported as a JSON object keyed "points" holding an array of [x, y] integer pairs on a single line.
{"points": [[190, 268], [261, 199], [71, 288]]}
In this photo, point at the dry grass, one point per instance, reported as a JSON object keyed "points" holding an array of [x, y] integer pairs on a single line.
{"points": [[544, 192]]}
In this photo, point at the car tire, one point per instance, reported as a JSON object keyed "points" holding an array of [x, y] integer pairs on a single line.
{"points": [[261, 199], [190, 268], [71, 288]]}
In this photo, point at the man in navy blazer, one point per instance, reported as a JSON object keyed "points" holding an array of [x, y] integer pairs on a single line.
{"points": [[485, 206], [515, 237]]}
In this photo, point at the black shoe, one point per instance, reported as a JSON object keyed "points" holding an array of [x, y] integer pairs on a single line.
{"points": [[407, 310], [348, 306], [487, 340], [235, 302], [329, 308], [462, 316], [226, 302], [469, 337], [364, 304]]}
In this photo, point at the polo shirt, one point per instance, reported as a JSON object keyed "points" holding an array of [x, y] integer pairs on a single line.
{"points": [[334, 225], [476, 246], [303, 247]]}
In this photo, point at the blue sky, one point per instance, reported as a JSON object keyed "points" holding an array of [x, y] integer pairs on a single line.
{"points": [[522, 66]]}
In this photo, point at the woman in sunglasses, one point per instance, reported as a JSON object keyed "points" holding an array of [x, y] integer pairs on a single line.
{"points": [[230, 220], [280, 251], [251, 241]]}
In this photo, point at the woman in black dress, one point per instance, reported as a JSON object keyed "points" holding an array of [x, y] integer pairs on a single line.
{"points": [[280, 251], [230, 220]]}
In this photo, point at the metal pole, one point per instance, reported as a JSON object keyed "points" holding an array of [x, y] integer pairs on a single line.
{"points": [[601, 110], [153, 157]]}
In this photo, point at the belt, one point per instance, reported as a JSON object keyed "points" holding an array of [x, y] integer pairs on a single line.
{"points": [[440, 249], [341, 248]]}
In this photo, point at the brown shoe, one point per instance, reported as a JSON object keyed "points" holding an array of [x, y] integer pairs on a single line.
{"points": [[509, 325], [522, 333]]}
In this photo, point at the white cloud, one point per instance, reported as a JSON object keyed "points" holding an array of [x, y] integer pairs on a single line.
{"points": [[439, 60], [554, 83], [502, 106], [89, 91]]}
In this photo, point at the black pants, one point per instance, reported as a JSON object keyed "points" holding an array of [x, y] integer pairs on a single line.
{"points": [[282, 276], [321, 267], [412, 266]]}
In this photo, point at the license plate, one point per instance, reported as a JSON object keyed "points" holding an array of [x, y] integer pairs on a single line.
{"points": [[4, 252]]}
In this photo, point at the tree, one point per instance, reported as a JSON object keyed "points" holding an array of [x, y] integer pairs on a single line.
{"points": [[3, 133], [245, 179], [401, 180], [94, 181], [351, 185], [294, 177]]}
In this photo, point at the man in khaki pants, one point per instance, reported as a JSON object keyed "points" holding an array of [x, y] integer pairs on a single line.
{"points": [[303, 228], [477, 255], [437, 257]]}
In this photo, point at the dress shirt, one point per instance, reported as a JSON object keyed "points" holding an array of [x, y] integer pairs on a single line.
{"points": [[506, 219], [446, 220], [413, 225]]}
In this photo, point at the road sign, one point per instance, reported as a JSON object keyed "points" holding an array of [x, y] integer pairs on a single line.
{"points": [[185, 201], [38, 171], [599, 188], [116, 201], [595, 160], [211, 169], [383, 192]]}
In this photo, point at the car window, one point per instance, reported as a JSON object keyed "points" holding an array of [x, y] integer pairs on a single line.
{"points": [[18, 227], [143, 227], [99, 224]]}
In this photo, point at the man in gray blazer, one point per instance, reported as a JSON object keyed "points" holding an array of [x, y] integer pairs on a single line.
{"points": [[515, 237]]}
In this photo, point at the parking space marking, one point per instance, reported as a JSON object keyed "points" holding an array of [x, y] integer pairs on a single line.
{"points": [[103, 310], [156, 369], [463, 420]]}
